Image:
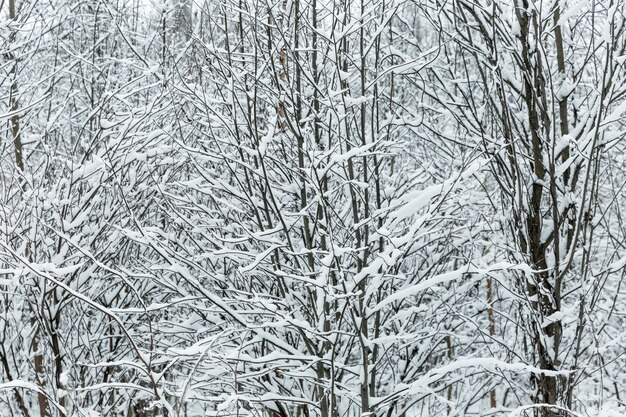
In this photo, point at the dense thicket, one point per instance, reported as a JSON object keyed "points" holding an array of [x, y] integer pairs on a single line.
{"points": [[312, 208]]}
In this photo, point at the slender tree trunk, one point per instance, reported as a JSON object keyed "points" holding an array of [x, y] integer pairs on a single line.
{"points": [[14, 98], [19, 162], [540, 288], [492, 331]]}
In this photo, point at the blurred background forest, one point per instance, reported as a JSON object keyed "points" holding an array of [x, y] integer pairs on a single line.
{"points": [[312, 208]]}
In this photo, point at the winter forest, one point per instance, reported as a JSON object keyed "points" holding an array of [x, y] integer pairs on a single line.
{"points": [[312, 208]]}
